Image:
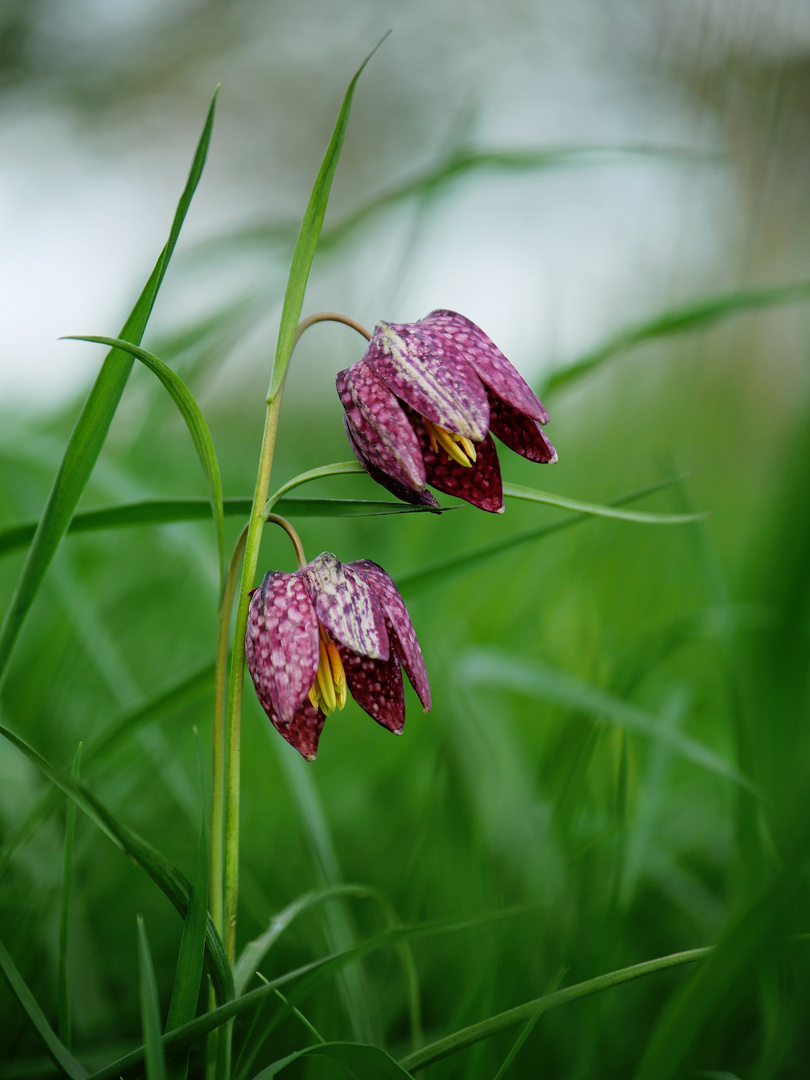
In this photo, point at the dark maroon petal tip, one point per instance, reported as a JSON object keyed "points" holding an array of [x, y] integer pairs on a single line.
{"points": [[520, 433], [376, 686], [479, 484], [304, 730], [400, 627]]}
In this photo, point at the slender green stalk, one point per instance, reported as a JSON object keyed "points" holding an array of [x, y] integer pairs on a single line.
{"points": [[330, 316], [276, 519], [220, 698], [218, 781], [233, 722]]}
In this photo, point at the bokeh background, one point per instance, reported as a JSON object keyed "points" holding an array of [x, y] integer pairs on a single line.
{"points": [[559, 172]]}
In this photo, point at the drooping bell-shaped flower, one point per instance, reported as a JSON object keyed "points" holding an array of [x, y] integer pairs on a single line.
{"points": [[423, 402], [325, 629]]}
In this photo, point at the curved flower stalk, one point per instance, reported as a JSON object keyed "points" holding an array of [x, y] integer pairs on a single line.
{"points": [[422, 404], [329, 628]]}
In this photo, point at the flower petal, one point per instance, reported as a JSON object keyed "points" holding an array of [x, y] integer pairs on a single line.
{"points": [[434, 379], [379, 427], [407, 494], [281, 643], [519, 432], [303, 731], [487, 360], [400, 627], [346, 606], [376, 686], [480, 484]]}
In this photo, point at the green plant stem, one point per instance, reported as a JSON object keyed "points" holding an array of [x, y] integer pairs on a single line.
{"points": [[218, 780], [233, 722], [276, 519], [329, 316]]}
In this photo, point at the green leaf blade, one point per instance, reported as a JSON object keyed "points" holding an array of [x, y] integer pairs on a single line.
{"points": [[91, 428], [59, 1052], [518, 491], [150, 1009], [308, 237], [196, 424]]}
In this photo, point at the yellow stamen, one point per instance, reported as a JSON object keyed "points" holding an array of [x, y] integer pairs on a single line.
{"points": [[329, 691], [457, 447]]}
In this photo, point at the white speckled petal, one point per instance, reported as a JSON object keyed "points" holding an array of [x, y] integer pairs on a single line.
{"points": [[400, 627], [431, 375], [379, 427], [281, 643], [376, 686], [347, 606], [462, 337]]}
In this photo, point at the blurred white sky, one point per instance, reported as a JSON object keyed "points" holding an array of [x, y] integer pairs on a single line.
{"points": [[546, 262]]}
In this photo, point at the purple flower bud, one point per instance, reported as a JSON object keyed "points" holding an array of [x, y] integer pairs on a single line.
{"points": [[327, 628], [422, 404]]}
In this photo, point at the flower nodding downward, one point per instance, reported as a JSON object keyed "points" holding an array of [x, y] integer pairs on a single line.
{"points": [[423, 402], [325, 631]]}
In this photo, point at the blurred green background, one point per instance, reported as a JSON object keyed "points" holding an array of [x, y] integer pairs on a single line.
{"points": [[674, 169]]}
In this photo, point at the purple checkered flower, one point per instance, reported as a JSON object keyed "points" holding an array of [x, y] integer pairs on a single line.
{"points": [[422, 404], [328, 627]]}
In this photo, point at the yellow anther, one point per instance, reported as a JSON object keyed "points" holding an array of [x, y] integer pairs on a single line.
{"points": [[457, 447], [338, 674], [326, 688], [328, 692]]}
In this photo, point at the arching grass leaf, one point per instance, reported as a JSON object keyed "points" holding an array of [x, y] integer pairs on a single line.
{"points": [[92, 426], [678, 321], [195, 422], [160, 870], [517, 491], [358, 1060], [492, 667], [443, 569], [60, 1053], [442, 1048]]}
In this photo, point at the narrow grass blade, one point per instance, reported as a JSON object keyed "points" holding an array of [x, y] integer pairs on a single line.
{"points": [[150, 1010], [195, 422], [517, 491], [162, 872], [186, 991], [444, 568], [63, 995], [358, 1060], [677, 321], [308, 239], [92, 426], [168, 511], [461, 162], [310, 975], [525, 1032], [502, 669], [186, 691], [60, 1053], [256, 950], [442, 1048]]}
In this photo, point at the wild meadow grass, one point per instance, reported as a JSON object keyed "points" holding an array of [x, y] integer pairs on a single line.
{"points": [[589, 858]]}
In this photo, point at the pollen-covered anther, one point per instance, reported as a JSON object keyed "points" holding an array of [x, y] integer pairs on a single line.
{"points": [[455, 446], [328, 692]]}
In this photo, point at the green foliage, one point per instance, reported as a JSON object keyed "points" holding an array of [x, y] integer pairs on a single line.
{"points": [[604, 814]]}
